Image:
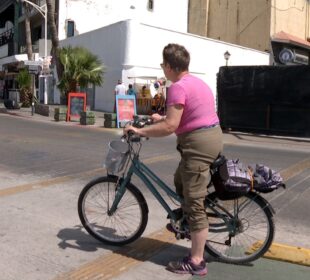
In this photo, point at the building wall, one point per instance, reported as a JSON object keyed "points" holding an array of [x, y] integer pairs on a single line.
{"points": [[242, 22], [124, 55], [291, 17], [249, 23], [198, 17], [93, 14]]}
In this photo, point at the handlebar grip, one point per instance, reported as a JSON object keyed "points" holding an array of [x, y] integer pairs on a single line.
{"points": [[130, 133]]}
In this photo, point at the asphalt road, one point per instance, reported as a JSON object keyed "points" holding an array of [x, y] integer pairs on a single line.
{"points": [[43, 167]]}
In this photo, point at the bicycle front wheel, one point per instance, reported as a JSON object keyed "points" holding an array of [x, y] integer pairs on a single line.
{"points": [[125, 225], [242, 230]]}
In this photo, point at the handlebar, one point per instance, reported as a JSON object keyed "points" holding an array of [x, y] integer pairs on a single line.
{"points": [[139, 121]]}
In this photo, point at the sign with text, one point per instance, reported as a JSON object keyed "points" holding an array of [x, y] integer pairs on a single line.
{"points": [[76, 104], [125, 108]]}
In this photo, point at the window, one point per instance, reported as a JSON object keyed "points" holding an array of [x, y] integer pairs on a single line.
{"points": [[70, 28], [150, 5]]}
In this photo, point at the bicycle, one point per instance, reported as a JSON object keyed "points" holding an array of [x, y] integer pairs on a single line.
{"points": [[114, 211]]}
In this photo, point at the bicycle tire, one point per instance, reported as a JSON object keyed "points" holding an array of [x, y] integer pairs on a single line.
{"points": [[254, 231], [122, 227]]}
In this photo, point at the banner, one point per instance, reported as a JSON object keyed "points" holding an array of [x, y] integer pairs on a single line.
{"points": [[125, 108]]}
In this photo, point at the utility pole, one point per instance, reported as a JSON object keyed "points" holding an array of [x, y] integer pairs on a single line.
{"points": [[43, 11]]}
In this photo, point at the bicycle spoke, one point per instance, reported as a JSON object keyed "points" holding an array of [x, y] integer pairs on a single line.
{"points": [[127, 221], [250, 224]]}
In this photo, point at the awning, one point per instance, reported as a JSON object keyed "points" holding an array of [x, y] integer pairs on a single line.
{"points": [[284, 37]]}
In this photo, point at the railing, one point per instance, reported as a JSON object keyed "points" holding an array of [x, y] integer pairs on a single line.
{"points": [[35, 48], [6, 37], [39, 3]]}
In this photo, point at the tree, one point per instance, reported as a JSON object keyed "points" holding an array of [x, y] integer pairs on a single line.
{"points": [[51, 22], [28, 9], [28, 95], [80, 68], [24, 83]]}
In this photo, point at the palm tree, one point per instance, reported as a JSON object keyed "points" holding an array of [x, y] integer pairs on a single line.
{"points": [[28, 9], [24, 83], [51, 21], [81, 68]]}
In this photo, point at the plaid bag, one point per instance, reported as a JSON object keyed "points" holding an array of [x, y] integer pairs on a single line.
{"points": [[238, 178], [232, 179], [265, 179]]}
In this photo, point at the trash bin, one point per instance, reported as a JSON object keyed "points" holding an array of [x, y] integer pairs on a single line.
{"points": [[14, 95]]}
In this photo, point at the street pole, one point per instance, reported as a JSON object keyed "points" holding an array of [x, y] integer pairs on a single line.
{"points": [[226, 57], [45, 31], [34, 90], [45, 55], [43, 12]]}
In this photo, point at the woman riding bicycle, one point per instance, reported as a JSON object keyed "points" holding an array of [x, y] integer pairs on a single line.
{"points": [[192, 117]]}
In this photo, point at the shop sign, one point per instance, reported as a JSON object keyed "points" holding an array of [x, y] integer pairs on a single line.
{"points": [[286, 56], [125, 108]]}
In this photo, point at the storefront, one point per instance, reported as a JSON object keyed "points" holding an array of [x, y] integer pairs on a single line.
{"points": [[290, 50], [147, 89]]}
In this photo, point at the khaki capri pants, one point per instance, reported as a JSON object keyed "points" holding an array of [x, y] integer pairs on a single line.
{"points": [[198, 150]]}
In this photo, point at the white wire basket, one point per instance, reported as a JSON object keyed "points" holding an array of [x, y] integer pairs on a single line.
{"points": [[117, 156]]}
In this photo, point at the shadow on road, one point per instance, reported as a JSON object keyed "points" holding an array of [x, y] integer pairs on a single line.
{"points": [[143, 249]]}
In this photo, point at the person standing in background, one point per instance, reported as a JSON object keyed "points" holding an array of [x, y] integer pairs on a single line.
{"points": [[131, 90], [120, 88]]}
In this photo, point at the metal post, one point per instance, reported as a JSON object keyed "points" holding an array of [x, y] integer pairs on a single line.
{"points": [[227, 56], [45, 55], [34, 91], [45, 31], [43, 12]]}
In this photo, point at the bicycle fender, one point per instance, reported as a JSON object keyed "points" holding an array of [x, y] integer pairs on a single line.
{"points": [[273, 212]]}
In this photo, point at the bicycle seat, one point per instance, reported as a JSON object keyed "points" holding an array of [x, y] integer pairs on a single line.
{"points": [[218, 162], [219, 167]]}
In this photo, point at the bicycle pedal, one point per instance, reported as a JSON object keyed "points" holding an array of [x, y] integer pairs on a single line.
{"points": [[178, 236], [178, 212]]}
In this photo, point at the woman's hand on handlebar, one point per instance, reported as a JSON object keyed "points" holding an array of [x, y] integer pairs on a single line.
{"points": [[157, 118], [130, 129]]}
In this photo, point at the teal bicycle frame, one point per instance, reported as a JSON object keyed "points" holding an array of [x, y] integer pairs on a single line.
{"points": [[148, 177], [234, 225]]}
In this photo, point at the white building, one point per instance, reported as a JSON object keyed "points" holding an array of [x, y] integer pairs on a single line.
{"points": [[87, 15], [132, 49], [129, 35]]}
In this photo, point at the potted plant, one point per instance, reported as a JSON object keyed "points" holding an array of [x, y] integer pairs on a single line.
{"points": [[24, 83]]}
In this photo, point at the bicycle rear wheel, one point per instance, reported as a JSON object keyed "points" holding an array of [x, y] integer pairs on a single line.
{"points": [[125, 225], [241, 234]]}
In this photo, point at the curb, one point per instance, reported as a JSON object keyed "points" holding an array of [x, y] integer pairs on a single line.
{"points": [[290, 254], [286, 253]]}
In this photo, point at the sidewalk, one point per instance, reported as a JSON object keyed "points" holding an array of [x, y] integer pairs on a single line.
{"points": [[27, 113]]}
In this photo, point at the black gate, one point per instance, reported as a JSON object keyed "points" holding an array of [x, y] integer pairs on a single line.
{"points": [[265, 99]]}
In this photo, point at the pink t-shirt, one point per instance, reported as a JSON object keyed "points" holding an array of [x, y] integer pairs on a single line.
{"points": [[198, 101]]}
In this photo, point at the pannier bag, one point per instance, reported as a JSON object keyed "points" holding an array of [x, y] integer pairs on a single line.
{"points": [[265, 179], [235, 176], [232, 179]]}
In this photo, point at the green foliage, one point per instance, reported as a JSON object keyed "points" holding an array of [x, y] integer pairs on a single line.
{"points": [[81, 68], [24, 79], [24, 83]]}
